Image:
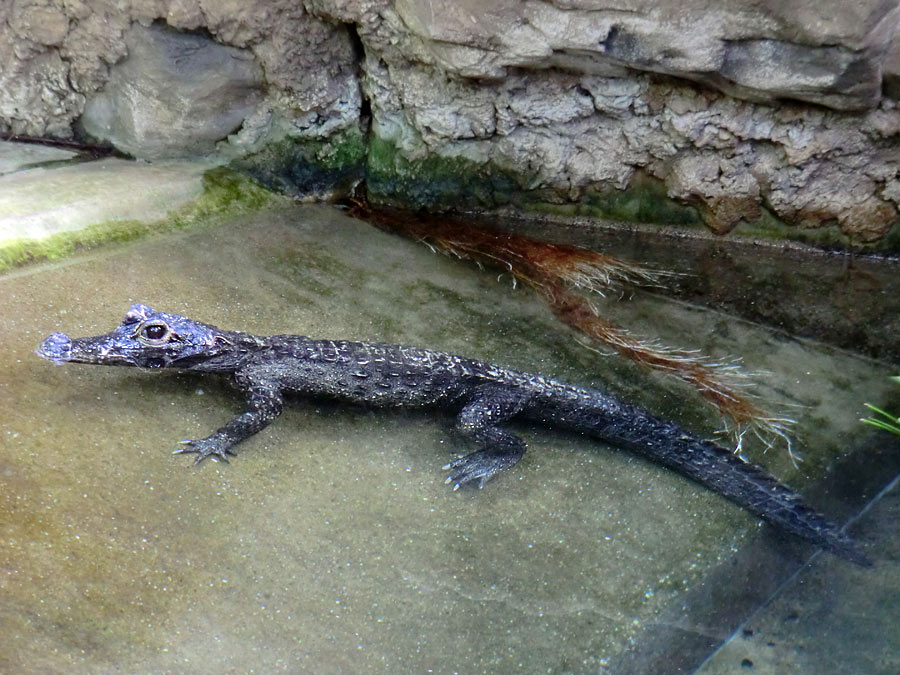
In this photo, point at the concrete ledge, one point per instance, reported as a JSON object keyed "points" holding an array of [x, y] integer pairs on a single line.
{"points": [[40, 202]]}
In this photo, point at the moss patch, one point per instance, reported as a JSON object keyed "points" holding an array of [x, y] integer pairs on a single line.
{"points": [[438, 183], [891, 242], [771, 227], [225, 193], [309, 168], [446, 183], [434, 182], [644, 201]]}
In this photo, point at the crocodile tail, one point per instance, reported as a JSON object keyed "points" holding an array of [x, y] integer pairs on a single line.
{"points": [[759, 492], [722, 471]]}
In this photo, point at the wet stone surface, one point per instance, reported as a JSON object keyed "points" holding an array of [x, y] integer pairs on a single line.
{"points": [[40, 202], [331, 543], [824, 621], [18, 156]]}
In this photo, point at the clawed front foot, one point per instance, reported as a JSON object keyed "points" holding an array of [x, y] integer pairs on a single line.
{"points": [[212, 447], [479, 467]]}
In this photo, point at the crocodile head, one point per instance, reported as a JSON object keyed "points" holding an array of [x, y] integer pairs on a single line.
{"points": [[146, 339]]}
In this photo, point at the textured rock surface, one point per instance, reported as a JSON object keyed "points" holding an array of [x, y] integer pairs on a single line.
{"points": [[571, 133], [518, 87], [560, 99], [175, 95], [829, 52], [53, 54]]}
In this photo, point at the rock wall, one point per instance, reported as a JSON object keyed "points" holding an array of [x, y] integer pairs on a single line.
{"points": [[755, 112], [176, 94], [575, 133], [56, 56], [572, 98]]}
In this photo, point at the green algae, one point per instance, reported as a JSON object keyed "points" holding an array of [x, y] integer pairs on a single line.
{"points": [[344, 150], [441, 183], [435, 182], [772, 228], [309, 167], [645, 201], [226, 193], [891, 242], [438, 183]]}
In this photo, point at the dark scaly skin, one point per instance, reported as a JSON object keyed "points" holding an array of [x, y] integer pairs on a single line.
{"points": [[486, 396]]}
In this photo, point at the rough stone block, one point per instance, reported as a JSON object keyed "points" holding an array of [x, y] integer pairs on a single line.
{"points": [[175, 95]]}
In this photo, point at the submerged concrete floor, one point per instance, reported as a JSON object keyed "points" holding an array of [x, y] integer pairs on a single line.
{"points": [[830, 618], [331, 544]]}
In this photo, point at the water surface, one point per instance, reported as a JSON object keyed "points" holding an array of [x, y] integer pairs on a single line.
{"points": [[331, 542]]}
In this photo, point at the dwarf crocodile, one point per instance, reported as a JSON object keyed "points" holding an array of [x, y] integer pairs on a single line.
{"points": [[483, 395]]}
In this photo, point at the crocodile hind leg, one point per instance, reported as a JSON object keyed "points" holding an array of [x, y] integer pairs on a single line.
{"points": [[490, 406]]}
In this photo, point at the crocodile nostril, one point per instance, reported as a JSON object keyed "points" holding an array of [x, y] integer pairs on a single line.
{"points": [[56, 348]]}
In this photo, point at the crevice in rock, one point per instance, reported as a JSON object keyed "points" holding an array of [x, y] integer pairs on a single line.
{"points": [[365, 107], [200, 31]]}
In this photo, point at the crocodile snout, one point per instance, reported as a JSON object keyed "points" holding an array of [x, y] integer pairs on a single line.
{"points": [[56, 348]]}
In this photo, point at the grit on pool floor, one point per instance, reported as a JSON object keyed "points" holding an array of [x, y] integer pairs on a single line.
{"points": [[331, 543]]}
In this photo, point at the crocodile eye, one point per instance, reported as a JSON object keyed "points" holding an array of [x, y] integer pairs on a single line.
{"points": [[154, 332]]}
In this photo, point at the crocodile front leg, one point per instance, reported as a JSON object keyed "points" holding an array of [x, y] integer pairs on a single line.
{"points": [[491, 405], [265, 402]]}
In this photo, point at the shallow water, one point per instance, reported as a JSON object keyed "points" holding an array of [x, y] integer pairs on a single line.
{"points": [[331, 543]]}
